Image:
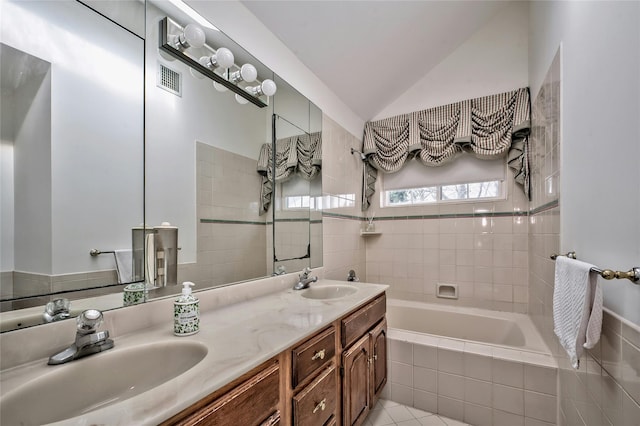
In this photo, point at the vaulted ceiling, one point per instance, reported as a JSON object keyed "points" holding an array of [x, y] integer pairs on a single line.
{"points": [[371, 52]]}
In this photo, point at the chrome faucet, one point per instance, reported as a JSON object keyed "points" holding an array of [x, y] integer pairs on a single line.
{"points": [[88, 340], [304, 279]]}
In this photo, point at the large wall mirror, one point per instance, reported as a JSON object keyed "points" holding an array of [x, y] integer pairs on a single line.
{"points": [[297, 204], [72, 149], [112, 109]]}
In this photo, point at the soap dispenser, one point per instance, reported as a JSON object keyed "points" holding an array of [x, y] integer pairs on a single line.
{"points": [[186, 313]]}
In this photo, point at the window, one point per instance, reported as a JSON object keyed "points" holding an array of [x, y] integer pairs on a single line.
{"points": [[434, 194], [299, 194], [465, 179], [297, 202]]}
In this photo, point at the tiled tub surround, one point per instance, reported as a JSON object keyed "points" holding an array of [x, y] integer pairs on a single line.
{"points": [[343, 248], [241, 325], [471, 381], [484, 253], [606, 388]]}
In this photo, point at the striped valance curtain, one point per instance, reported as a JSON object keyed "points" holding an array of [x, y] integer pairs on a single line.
{"points": [[490, 127], [299, 155]]}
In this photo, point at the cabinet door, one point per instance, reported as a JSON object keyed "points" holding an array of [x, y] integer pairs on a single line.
{"points": [[379, 360], [356, 382]]}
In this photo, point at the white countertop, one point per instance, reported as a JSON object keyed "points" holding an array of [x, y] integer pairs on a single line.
{"points": [[238, 337]]}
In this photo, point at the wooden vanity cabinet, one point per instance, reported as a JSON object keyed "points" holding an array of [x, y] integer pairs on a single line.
{"points": [[364, 364], [332, 378], [251, 400], [312, 354], [359, 322], [314, 380], [315, 404], [378, 338], [356, 382]]}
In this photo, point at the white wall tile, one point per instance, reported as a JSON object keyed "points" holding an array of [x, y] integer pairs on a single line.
{"points": [[508, 399], [540, 406]]}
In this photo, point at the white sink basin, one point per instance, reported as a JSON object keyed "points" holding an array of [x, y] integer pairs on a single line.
{"points": [[96, 381], [323, 292]]}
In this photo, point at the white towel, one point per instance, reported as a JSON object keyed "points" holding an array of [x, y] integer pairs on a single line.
{"points": [[577, 307], [124, 265]]}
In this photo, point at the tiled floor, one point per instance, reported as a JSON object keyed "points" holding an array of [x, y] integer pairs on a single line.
{"points": [[391, 413]]}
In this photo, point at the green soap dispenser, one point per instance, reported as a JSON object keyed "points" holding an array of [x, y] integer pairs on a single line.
{"points": [[186, 312]]}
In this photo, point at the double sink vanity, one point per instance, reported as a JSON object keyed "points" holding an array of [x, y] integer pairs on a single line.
{"points": [[265, 354]]}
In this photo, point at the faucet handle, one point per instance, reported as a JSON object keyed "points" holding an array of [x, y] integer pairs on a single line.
{"points": [[89, 320], [57, 309], [306, 271]]}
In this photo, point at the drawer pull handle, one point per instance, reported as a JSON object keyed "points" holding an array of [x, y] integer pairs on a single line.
{"points": [[318, 355], [321, 405], [375, 357]]}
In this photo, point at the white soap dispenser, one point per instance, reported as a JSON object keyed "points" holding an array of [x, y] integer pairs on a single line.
{"points": [[186, 312]]}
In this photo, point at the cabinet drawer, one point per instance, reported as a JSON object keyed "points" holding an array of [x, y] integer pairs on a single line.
{"points": [[250, 403], [315, 404], [359, 322], [312, 354], [273, 420]]}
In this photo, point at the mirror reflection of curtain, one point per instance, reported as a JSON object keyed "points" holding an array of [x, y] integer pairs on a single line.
{"points": [[299, 155], [489, 127]]}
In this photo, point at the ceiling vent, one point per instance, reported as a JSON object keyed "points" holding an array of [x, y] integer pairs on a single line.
{"points": [[169, 80]]}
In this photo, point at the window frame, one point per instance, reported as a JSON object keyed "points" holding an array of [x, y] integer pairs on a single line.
{"points": [[501, 196]]}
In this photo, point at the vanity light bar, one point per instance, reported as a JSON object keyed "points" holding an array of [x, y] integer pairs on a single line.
{"points": [[166, 46]]}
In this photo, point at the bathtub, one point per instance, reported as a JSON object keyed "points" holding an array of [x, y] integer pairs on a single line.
{"points": [[506, 329], [473, 365]]}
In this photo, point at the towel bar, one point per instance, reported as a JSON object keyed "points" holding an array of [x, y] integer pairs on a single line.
{"points": [[632, 275], [96, 252]]}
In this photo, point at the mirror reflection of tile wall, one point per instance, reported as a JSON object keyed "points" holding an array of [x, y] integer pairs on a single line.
{"points": [[231, 236]]}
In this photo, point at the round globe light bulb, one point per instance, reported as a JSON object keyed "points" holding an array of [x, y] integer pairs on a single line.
{"points": [[224, 57], [248, 73], [268, 87], [193, 36], [205, 61], [241, 100]]}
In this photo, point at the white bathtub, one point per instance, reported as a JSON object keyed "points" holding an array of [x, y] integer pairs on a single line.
{"points": [[473, 365], [494, 328]]}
